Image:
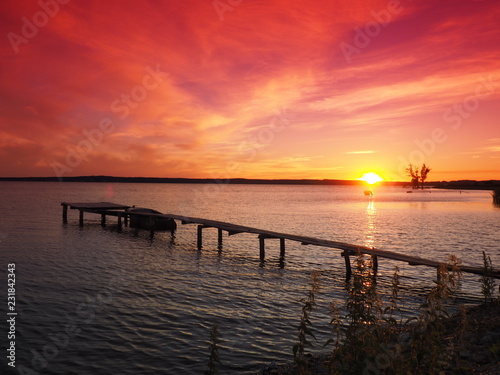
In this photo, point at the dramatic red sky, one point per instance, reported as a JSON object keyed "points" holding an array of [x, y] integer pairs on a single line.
{"points": [[251, 88]]}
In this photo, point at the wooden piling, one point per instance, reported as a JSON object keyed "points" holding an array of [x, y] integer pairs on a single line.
{"points": [[219, 238], [119, 223], [348, 271], [282, 248], [200, 237], [151, 227], [262, 247], [374, 264], [65, 213], [81, 218], [103, 220]]}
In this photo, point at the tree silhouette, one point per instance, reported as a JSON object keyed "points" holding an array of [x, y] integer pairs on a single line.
{"points": [[424, 171], [418, 177], [413, 173]]}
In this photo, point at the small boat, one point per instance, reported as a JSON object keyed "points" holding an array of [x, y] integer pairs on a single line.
{"points": [[143, 221]]}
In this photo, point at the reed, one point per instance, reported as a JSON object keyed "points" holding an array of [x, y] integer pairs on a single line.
{"points": [[374, 341], [393, 323], [428, 352], [304, 328], [364, 312], [460, 338], [487, 281], [360, 341], [213, 348]]}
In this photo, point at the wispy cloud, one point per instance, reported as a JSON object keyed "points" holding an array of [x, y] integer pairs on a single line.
{"points": [[360, 152], [227, 79]]}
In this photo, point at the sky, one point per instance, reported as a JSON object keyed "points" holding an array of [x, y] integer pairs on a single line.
{"points": [[250, 88]]}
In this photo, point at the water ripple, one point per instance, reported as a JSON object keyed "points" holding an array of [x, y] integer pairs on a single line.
{"points": [[146, 307]]}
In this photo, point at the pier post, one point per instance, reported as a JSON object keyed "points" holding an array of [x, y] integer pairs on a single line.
{"points": [[374, 265], [282, 248], [65, 214], [262, 248], [348, 271], [119, 223], [200, 237], [125, 220], [81, 218], [103, 220], [151, 228], [219, 238]]}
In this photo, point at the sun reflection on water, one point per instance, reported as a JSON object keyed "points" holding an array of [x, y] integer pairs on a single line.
{"points": [[370, 226]]}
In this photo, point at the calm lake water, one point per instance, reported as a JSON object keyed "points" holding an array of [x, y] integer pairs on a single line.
{"points": [[94, 301]]}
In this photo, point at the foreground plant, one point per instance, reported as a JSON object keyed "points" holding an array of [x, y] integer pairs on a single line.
{"points": [[487, 281], [428, 353], [336, 323], [304, 326], [362, 341], [213, 359], [376, 340]]}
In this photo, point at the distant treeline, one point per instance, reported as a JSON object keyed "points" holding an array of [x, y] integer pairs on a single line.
{"points": [[193, 180], [467, 185], [461, 184]]}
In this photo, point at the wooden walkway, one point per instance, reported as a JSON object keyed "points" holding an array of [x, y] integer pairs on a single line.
{"points": [[120, 211]]}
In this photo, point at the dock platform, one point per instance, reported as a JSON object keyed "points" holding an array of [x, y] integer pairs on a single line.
{"points": [[120, 211]]}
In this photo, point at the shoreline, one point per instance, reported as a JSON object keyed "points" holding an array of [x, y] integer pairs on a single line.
{"points": [[446, 185]]}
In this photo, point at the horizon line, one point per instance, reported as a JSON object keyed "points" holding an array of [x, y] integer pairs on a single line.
{"points": [[108, 178]]}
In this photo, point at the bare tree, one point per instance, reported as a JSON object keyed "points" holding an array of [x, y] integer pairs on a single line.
{"points": [[418, 177], [413, 173], [424, 171]]}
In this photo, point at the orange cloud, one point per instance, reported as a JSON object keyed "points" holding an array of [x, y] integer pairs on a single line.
{"points": [[268, 88]]}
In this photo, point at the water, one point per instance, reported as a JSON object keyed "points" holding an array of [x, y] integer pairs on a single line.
{"points": [[94, 301]]}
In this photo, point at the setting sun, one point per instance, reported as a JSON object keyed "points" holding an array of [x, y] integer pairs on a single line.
{"points": [[371, 178]]}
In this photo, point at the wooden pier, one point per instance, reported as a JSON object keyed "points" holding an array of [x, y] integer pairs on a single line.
{"points": [[120, 211]]}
